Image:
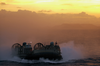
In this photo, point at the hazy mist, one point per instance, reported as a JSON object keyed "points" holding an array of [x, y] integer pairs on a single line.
{"points": [[26, 26], [30, 26]]}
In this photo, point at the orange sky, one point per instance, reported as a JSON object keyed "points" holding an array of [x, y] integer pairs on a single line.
{"points": [[91, 7]]}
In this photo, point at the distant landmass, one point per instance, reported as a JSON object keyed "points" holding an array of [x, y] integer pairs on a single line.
{"points": [[76, 26]]}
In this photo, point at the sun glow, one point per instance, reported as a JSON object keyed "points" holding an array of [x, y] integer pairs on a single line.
{"points": [[41, 1], [34, 1]]}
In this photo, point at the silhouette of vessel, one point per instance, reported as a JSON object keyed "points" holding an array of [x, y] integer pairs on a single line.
{"points": [[51, 52]]}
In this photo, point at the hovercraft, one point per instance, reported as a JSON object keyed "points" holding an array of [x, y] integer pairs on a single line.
{"points": [[51, 52]]}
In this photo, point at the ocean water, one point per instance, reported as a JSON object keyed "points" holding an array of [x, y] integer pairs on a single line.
{"points": [[84, 50]]}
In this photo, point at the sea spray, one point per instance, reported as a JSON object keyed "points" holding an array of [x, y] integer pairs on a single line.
{"points": [[69, 51]]}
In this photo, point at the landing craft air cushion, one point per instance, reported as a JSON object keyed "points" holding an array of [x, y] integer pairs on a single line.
{"points": [[25, 51]]}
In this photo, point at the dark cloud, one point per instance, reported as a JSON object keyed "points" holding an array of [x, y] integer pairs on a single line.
{"points": [[68, 4], [45, 11], [2, 3], [83, 13]]}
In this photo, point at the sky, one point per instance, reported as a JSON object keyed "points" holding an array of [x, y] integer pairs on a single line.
{"points": [[91, 7]]}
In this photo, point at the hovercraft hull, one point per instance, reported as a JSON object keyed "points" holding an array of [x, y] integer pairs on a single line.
{"points": [[46, 54]]}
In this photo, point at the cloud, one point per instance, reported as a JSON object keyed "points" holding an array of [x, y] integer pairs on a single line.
{"points": [[63, 9], [2, 3], [45, 11], [19, 7], [68, 4], [83, 13]]}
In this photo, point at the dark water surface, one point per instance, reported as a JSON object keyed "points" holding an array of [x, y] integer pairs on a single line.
{"points": [[81, 62]]}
